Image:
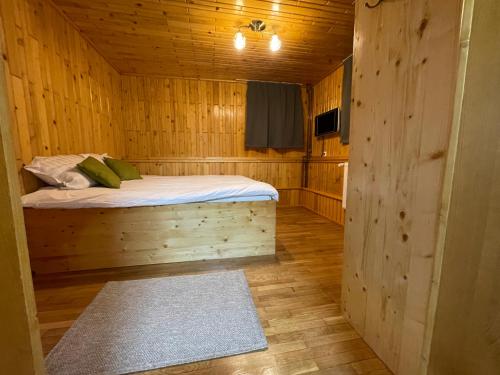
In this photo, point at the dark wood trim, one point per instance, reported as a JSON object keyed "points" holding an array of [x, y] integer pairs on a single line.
{"points": [[310, 98]]}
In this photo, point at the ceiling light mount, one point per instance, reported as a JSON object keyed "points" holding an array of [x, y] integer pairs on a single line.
{"points": [[257, 25]]}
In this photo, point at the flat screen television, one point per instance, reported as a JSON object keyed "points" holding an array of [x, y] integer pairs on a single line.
{"points": [[327, 123]]}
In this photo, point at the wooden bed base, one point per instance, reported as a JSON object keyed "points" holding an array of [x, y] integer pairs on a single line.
{"points": [[62, 240]]}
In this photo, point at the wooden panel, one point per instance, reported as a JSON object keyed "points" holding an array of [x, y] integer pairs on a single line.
{"points": [[65, 97], [404, 73], [323, 193], [194, 39], [69, 240], [326, 175], [324, 204], [466, 335], [289, 197], [20, 345], [327, 94], [188, 118]]}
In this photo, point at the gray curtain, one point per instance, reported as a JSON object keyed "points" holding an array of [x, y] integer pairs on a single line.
{"points": [[274, 117], [345, 111]]}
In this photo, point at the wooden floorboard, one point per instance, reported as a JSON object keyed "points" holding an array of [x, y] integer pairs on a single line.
{"points": [[297, 294]]}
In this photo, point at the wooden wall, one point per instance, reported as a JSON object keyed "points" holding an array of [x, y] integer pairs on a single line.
{"points": [[20, 345], [188, 126], [404, 73], [65, 97], [465, 339], [327, 94], [323, 191]]}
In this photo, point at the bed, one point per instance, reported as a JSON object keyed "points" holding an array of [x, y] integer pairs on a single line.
{"points": [[159, 219]]}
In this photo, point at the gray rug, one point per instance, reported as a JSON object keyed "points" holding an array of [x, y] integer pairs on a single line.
{"points": [[146, 324]]}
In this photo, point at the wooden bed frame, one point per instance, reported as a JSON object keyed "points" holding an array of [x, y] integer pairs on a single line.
{"points": [[61, 240]]}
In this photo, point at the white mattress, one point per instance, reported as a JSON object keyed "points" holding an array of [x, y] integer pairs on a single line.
{"points": [[155, 191]]}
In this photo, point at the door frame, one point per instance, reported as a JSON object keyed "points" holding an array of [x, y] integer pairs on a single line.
{"points": [[20, 342]]}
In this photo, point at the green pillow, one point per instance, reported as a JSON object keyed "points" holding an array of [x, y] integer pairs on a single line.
{"points": [[99, 172], [124, 170]]}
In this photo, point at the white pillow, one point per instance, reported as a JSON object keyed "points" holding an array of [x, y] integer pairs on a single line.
{"points": [[61, 170], [74, 179], [99, 157]]}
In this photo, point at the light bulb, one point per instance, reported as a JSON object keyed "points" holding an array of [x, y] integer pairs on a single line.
{"points": [[275, 43], [239, 40]]}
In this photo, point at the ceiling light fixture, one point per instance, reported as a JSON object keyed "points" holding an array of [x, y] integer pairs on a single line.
{"points": [[257, 26], [275, 43], [239, 41]]}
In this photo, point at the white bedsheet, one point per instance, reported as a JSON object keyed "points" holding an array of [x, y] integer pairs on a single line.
{"points": [[155, 191]]}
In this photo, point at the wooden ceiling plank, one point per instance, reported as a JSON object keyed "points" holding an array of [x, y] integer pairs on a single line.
{"points": [[180, 38]]}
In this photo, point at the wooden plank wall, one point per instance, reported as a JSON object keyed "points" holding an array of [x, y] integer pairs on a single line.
{"points": [[65, 97], [186, 126], [465, 339], [323, 192], [327, 94], [20, 345], [405, 68]]}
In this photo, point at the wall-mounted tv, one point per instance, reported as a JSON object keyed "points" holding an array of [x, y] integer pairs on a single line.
{"points": [[327, 123]]}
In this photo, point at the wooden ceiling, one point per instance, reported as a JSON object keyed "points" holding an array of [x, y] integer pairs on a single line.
{"points": [[194, 38]]}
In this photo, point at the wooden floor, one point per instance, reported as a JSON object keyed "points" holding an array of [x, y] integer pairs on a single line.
{"points": [[297, 296]]}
